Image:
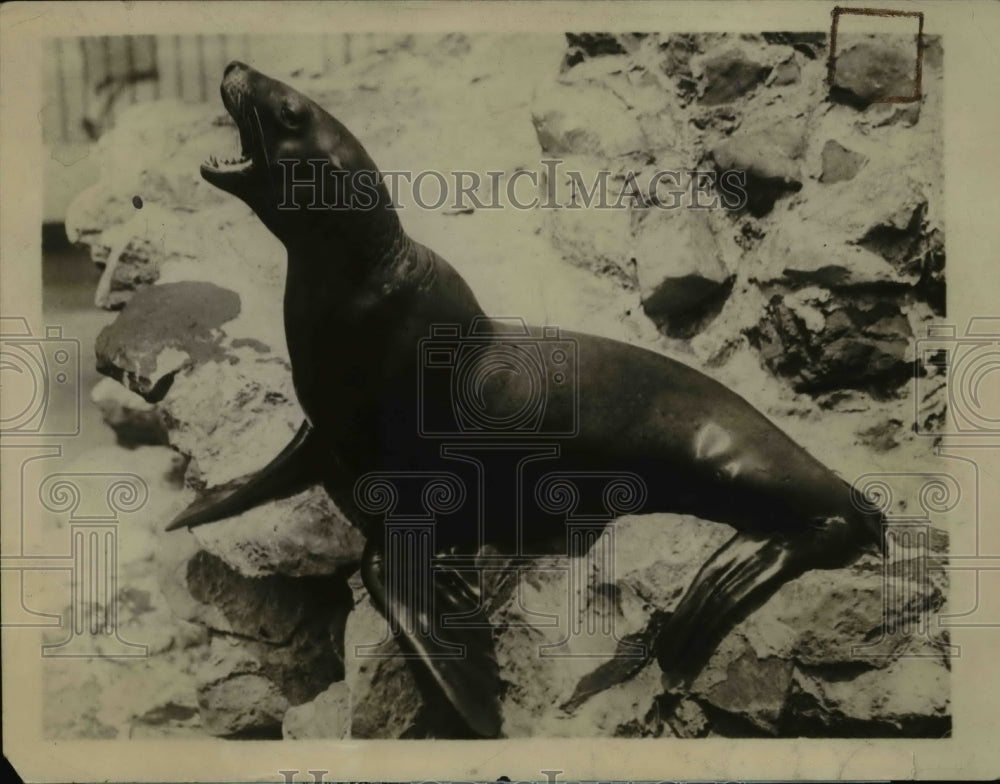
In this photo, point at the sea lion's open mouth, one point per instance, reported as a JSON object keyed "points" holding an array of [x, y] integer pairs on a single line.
{"points": [[228, 166], [230, 172]]}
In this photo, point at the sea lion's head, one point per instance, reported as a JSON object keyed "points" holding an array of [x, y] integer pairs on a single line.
{"points": [[298, 167]]}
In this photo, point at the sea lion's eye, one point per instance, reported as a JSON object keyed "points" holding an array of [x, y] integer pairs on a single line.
{"points": [[290, 116]]}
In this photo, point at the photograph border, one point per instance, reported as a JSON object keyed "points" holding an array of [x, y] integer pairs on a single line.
{"points": [[972, 112]]}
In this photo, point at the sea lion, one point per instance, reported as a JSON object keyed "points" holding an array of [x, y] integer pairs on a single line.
{"points": [[361, 301]]}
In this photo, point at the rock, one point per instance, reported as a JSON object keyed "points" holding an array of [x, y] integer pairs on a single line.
{"points": [[545, 665], [729, 76], [151, 159], [873, 71], [908, 699], [140, 617], [586, 120], [894, 235], [175, 553], [133, 263], [284, 630], [839, 163], [385, 700], [801, 253], [243, 706], [328, 717], [821, 343], [809, 44], [231, 416], [930, 260], [839, 244], [309, 662], [235, 699], [154, 241], [882, 436], [880, 211], [813, 630], [595, 240], [687, 719], [298, 536], [168, 328], [677, 52], [681, 276], [767, 159], [170, 720], [135, 421], [883, 115], [753, 689], [583, 45], [269, 609], [785, 73]]}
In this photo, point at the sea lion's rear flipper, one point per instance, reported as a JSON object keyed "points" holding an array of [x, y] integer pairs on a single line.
{"points": [[456, 661], [736, 580], [296, 467]]}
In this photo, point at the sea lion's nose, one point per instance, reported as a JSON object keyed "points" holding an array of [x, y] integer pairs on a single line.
{"points": [[234, 65]]}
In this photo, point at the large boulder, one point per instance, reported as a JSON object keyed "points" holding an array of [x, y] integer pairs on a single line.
{"points": [[813, 660], [680, 270], [875, 70], [730, 75]]}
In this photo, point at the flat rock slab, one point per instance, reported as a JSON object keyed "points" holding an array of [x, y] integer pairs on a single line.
{"points": [[166, 328]]}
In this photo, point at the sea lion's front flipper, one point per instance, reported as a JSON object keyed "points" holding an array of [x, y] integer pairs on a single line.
{"points": [[294, 469], [737, 579], [455, 660]]}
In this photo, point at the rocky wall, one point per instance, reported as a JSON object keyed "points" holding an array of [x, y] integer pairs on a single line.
{"points": [[805, 300]]}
